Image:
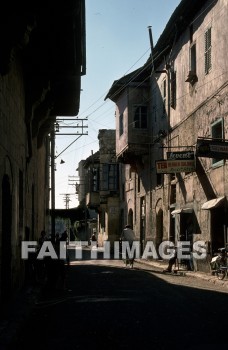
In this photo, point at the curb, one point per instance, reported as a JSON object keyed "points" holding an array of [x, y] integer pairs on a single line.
{"points": [[201, 275]]}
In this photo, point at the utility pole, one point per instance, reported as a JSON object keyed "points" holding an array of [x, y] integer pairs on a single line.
{"points": [[72, 181], [151, 125], [56, 131], [53, 184], [66, 199]]}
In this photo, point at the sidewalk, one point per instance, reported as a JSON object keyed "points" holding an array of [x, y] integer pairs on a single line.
{"points": [[161, 264]]}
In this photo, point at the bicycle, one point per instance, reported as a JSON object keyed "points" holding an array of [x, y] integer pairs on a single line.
{"points": [[128, 258], [222, 272], [219, 264]]}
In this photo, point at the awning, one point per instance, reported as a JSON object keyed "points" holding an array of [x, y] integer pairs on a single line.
{"points": [[213, 203], [182, 210], [176, 211]]}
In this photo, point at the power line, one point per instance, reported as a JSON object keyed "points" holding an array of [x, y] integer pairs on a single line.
{"points": [[104, 94], [67, 199]]}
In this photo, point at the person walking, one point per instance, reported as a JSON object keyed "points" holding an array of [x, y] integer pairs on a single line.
{"points": [[42, 238], [172, 261], [62, 263], [129, 236], [93, 240]]}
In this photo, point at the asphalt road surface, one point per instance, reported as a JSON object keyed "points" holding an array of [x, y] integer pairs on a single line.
{"points": [[108, 306]]}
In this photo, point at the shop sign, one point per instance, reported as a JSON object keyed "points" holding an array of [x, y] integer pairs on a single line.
{"points": [[177, 162], [175, 166], [185, 155], [212, 149]]}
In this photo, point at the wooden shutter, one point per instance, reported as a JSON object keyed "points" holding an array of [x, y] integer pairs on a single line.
{"points": [[207, 38], [173, 90]]}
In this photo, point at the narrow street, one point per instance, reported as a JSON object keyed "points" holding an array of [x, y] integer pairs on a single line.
{"points": [[108, 306], [113, 133]]}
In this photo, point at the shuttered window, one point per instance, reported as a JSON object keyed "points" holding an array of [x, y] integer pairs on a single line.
{"points": [[173, 89], [217, 133], [193, 58], [207, 38]]}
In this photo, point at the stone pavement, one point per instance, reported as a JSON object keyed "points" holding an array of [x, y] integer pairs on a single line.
{"points": [[13, 321]]}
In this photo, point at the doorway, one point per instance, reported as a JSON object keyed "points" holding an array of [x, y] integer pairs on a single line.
{"points": [[217, 229], [6, 240], [159, 228], [130, 218]]}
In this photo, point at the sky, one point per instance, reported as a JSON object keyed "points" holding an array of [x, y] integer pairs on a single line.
{"points": [[117, 43]]}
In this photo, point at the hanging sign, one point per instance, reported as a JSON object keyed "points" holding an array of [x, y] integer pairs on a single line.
{"points": [[212, 149], [185, 155], [177, 162]]}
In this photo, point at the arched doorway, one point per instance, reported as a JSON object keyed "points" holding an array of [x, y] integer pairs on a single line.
{"points": [[6, 239], [130, 218], [159, 228]]}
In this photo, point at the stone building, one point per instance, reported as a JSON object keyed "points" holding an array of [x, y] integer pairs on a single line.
{"points": [[133, 135], [87, 191], [172, 131], [41, 63], [101, 186]]}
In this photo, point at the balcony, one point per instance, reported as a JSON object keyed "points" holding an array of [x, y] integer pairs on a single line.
{"points": [[131, 94], [132, 154], [133, 125], [133, 141]]}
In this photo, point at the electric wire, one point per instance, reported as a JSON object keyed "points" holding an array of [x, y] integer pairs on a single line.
{"points": [[139, 71]]}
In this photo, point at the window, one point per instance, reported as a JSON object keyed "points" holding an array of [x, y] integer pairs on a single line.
{"points": [[121, 124], [163, 93], [95, 180], [173, 90], [159, 179], [140, 117], [193, 58], [173, 191], [139, 184], [207, 55], [109, 176], [192, 76], [217, 133]]}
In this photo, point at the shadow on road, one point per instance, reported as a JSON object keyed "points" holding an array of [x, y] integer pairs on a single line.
{"points": [[111, 307]]}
